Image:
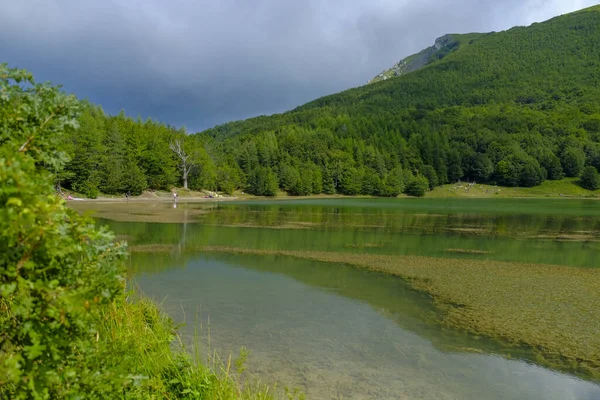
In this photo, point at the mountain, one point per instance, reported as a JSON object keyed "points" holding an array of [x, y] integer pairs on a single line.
{"points": [[523, 65], [441, 48], [512, 108]]}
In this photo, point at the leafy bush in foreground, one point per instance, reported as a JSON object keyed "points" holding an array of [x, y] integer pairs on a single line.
{"points": [[56, 269]]}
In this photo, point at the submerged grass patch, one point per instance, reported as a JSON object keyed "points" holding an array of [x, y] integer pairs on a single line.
{"points": [[468, 251], [567, 237], [364, 245], [554, 310], [152, 248]]}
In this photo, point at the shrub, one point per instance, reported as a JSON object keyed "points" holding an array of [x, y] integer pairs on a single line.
{"points": [[394, 183], [263, 182], [590, 179], [573, 160], [418, 186], [431, 175]]}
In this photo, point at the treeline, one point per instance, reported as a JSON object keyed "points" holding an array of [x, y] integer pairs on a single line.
{"points": [[117, 154], [393, 153], [512, 108]]}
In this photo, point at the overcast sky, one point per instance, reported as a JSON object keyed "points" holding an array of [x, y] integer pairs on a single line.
{"points": [[201, 63]]}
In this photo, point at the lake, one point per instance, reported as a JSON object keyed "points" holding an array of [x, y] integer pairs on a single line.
{"points": [[336, 331]]}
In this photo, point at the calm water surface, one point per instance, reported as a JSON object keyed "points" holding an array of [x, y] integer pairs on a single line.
{"points": [[338, 332]]}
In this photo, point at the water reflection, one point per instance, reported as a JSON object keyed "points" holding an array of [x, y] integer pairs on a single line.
{"points": [[398, 241], [340, 332]]}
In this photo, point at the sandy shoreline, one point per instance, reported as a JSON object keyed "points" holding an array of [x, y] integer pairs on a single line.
{"points": [[155, 199]]}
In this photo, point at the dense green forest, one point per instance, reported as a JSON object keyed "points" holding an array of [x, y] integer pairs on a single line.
{"points": [[513, 108]]}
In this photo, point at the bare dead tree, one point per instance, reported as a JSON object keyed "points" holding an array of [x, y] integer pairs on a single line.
{"points": [[186, 161]]}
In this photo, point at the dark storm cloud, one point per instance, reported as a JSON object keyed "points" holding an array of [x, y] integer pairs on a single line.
{"points": [[199, 63]]}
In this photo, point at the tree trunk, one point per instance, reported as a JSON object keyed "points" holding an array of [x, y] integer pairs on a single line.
{"points": [[185, 176], [187, 162]]}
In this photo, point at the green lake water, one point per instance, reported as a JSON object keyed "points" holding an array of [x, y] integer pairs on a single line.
{"points": [[338, 332]]}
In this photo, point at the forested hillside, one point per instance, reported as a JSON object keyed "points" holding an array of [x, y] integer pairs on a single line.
{"points": [[513, 108]]}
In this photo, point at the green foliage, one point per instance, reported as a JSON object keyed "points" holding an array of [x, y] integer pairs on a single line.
{"points": [[417, 186], [497, 108], [393, 184], [530, 175], [328, 183], [205, 175], [262, 182], [303, 185], [372, 183], [507, 173], [300, 184], [118, 154], [573, 160], [590, 179], [288, 177], [56, 270], [228, 178], [137, 341], [66, 328], [350, 181], [316, 180], [430, 174], [553, 166], [513, 108], [480, 168], [519, 169]]}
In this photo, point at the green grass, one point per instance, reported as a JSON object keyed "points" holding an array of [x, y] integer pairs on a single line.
{"points": [[143, 341], [563, 188], [138, 352]]}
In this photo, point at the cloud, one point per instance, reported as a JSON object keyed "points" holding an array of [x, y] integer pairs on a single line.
{"points": [[200, 63]]}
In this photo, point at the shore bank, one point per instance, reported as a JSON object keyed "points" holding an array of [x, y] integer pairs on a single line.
{"points": [[567, 188]]}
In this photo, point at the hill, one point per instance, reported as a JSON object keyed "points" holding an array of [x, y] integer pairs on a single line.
{"points": [[512, 108], [554, 60]]}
